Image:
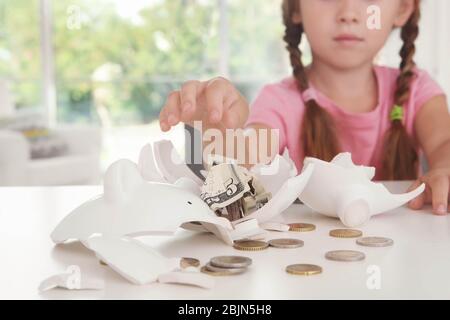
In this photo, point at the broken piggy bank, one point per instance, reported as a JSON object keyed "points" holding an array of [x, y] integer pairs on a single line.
{"points": [[341, 189], [132, 206], [156, 197]]}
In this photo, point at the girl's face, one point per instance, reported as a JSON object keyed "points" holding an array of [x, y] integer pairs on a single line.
{"points": [[338, 30]]}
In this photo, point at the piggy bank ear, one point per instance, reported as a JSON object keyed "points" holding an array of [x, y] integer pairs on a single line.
{"points": [[147, 165], [121, 178]]}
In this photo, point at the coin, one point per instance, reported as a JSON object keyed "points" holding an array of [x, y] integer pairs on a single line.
{"points": [[345, 255], [345, 233], [375, 242], [212, 268], [189, 262], [250, 245], [286, 243], [301, 227], [231, 262], [303, 269], [224, 272], [103, 263]]}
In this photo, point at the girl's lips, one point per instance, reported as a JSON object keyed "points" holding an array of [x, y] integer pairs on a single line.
{"points": [[348, 38]]}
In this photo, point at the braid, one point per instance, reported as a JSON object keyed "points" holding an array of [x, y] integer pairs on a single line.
{"points": [[401, 159], [318, 130]]}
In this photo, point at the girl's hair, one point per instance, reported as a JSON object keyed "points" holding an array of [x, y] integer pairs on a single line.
{"points": [[319, 136]]}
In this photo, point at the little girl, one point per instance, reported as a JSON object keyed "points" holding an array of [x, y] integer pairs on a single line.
{"points": [[385, 117]]}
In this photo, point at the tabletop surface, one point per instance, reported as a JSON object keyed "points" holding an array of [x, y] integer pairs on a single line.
{"points": [[416, 267]]}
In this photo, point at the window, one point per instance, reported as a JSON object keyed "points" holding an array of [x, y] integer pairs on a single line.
{"points": [[116, 61], [20, 66]]}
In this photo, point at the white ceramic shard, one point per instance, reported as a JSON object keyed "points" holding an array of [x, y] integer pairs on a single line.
{"points": [[170, 164], [278, 171], [130, 258], [247, 229], [188, 185], [147, 165], [341, 189], [188, 278], [221, 233], [261, 236], [71, 281], [275, 226], [344, 160], [133, 207], [285, 196]]}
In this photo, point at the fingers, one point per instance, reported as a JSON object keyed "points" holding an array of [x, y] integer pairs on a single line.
{"points": [[436, 192], [439, 193], [215, 101], [170, 113], [236, 114], [163, 123], [418, 202], [188, 98], [216, 93]]}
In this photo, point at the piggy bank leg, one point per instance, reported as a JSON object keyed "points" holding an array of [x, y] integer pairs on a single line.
{"points": [[354, 213]]}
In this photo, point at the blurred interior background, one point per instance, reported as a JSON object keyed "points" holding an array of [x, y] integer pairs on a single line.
{"points": [[82, 81]]}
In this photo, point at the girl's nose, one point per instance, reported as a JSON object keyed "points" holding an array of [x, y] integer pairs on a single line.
{"points": [[348, 12]]}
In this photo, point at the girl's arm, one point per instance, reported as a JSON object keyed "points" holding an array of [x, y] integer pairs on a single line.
{"points": [[432, 125], [255, 144]]}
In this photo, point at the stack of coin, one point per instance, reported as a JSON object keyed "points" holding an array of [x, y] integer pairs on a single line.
{"points": [[226, 265]]}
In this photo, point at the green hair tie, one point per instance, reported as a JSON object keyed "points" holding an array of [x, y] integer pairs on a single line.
{"points": [[397, 113]]}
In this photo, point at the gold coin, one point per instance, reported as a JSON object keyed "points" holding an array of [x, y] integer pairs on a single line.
{"points": [[345, 233], [103, 263], [303, 269], [301, 227], [250, 245], [189, 262], [223, 272]]}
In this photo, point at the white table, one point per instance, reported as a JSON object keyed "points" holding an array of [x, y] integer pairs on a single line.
{"points": [[417, 266]]}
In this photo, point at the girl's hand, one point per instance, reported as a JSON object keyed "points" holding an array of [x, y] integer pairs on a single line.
{"points": [[436, 192], [216, 102]]}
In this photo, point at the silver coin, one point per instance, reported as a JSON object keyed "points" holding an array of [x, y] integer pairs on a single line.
{"points": [[345, 255], [212, 268], [375, 242], [286, 243], [231, 262]]}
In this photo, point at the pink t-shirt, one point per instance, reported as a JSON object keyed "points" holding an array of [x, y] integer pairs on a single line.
{"points": [[280, 106]]}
